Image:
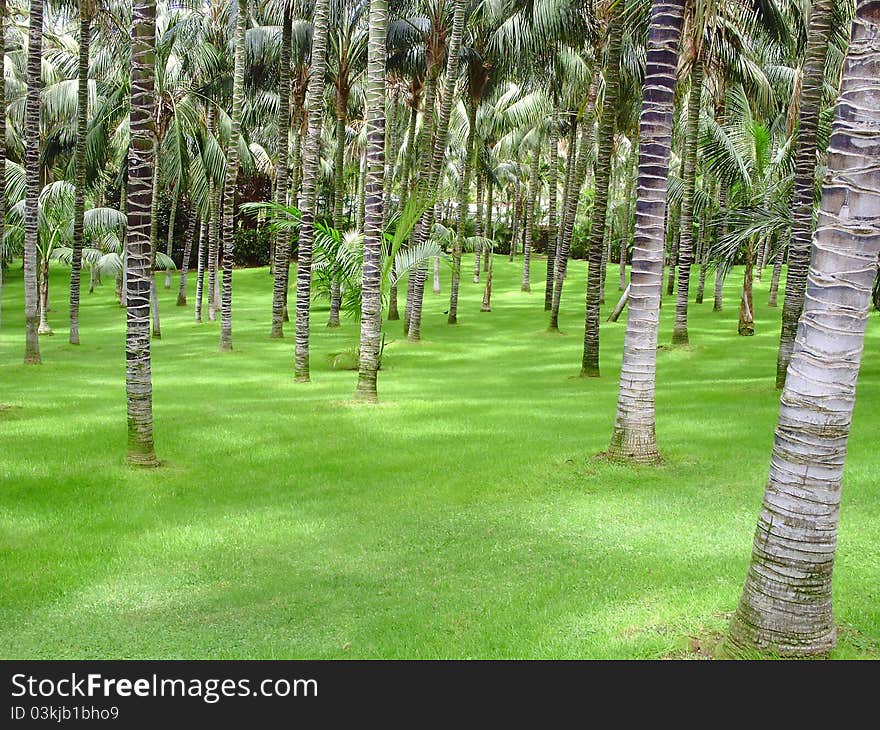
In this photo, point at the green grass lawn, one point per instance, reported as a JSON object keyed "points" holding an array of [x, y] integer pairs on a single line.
{"points": [[466, 516]]}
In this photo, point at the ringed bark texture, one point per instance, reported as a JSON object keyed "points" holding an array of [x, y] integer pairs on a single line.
{"points": [[138, 378], [32, 174], [634, 436], [231, 178], [79, 199], [686, 241], [813, 79], [785, 607], [605, 137], [282, 238], [314, 95], [371, 308]]}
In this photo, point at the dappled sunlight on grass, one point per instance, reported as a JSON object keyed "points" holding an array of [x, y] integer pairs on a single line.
{"points": [[466, 516]]}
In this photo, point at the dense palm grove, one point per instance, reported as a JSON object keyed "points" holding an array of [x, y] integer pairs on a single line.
{"points": [[357, 146]]}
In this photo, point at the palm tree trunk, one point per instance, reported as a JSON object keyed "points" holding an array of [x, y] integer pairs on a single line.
{"points": [[552, 237], [605, 138], [200, 271], [461, 215], [154, 246], [685, 246], [315, 95], [423, 230], [293, 194], [673, 238], [213, 241], [627, 225], [139, 250], [515, 222], [634, 437], [231, 178], [703, 252], [371, 288], [746, 326], [32, 175], [44, 328], [529, 227], [777, 271], [478, 225], [718, 304], [487, 291], [812, 81], [581, 158], [338, 198], [169, 244], [490, 226], [281, 263], [785, 607], [187, 253], [79, 200]]}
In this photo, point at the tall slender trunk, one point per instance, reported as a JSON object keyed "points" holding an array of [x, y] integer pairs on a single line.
{"points": [[528, 228], [478, 225], [634, 437], [187, 253], [200, 271], [371, 308], [293, 193], [439, 152], [673, 237], [703, 253], [786, 603], [605, 138], [213, 242], [685, 246], [44, 328], [487, 291], [282, 237], [315, 95], [515, 222], [627, 224], [461, 213], [746, 326], [718, 294], [79, 198], [490, 226], [139, 250], [169, 243], [777, 271], [338, 199], [32, 175], [154, 245], [552, 185], [231, 178], [812, 81], [581, 158]]}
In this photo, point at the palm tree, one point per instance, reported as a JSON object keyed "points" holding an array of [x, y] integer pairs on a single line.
{"points": [[282, 241], [434, 163], [689, 171], [86, 13], [138, 380], [785, 607], [231, 177], [32, 169], [309, 183], [634, 436], [605, 138], [810, 107], [371, 299]]}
